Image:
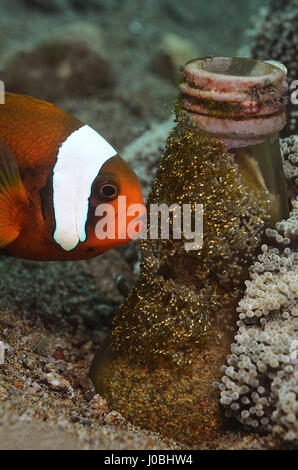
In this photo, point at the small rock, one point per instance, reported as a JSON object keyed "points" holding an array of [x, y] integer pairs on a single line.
{"points": [[74, 419], [35, 387], [41, 346], [58, 355], [59, 383], [72, 62], [114, 418], [30, 363], [99, 404], [173, 52]]}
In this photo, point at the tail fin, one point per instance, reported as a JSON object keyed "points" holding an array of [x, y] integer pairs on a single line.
{"points": [[13, 196]]}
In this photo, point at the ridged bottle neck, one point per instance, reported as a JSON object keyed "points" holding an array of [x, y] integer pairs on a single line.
{"points": [[241, 101]]}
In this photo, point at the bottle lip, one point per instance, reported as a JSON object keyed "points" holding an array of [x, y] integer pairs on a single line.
{"points": [[234, 95], [220, 73]]}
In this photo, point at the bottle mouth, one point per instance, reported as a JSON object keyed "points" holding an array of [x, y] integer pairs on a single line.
{"points": [[240, 67], [225, 95]]}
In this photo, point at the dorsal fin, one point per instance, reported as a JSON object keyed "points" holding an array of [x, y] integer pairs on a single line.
{"points": [[13, 197]]}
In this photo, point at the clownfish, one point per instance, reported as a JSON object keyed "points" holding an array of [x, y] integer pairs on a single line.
{"points": [[54, 172]]}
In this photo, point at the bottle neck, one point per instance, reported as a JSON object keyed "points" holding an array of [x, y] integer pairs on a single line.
{"points": [[243, 138]]}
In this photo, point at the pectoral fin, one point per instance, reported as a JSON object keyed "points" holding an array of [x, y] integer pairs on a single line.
{"points": [[13, 197]]}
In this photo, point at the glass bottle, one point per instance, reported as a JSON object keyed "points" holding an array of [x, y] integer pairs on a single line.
{"points": [[175, 328]]}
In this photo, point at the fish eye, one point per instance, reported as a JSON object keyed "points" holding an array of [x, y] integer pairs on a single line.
{"points": [[108, 190]]}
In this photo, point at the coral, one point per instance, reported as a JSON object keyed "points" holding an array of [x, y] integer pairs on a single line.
{"points": [[289, 148], [260, 383], [274, 36]]}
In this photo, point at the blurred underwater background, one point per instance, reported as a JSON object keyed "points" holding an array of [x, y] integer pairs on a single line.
{"points": [[113, 64]]}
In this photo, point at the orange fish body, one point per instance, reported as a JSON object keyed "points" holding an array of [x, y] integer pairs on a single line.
{"points": [[54, 173]]}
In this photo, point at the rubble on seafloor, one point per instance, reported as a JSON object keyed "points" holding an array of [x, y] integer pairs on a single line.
{"points": [[53, 317]]}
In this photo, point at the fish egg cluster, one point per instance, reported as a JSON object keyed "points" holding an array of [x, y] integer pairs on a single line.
{"points": [[259, 386], [184, 298]]}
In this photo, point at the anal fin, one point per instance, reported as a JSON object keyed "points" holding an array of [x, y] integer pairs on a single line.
{"points": [[13, 197]]}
